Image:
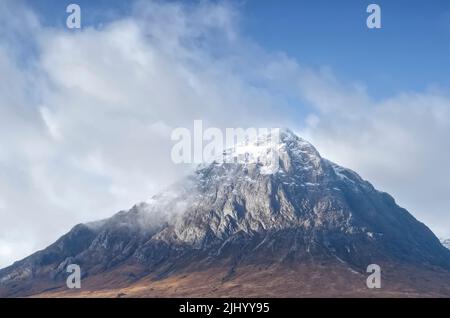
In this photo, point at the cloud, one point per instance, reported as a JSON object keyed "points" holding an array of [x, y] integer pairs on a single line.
{"points": [[400, 144], [86, 116]]}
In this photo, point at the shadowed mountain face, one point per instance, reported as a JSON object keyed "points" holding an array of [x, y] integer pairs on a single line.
{"points": [[311, 219]]}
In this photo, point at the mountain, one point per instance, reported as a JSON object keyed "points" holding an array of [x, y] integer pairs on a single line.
{"points": [[309, 229], [446, 243]]}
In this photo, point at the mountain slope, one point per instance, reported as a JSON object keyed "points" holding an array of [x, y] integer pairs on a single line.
{"points": [[228, 222]]}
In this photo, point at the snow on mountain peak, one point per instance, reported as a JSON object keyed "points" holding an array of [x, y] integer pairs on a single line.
{"points": [[446, 243], [266, 150]]}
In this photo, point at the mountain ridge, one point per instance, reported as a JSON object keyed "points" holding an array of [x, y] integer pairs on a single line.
{"points": [[232, 216]]}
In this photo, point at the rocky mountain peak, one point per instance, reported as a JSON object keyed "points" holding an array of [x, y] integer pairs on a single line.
{"points": [[241, 212]]}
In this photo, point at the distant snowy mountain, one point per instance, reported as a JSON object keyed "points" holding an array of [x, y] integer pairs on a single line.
{"points": [[310, 228], [446, 243]]}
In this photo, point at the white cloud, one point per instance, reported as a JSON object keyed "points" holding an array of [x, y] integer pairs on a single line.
{"points": [[85, 124], [401, 145]]}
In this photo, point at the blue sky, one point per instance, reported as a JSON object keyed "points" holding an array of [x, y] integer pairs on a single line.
{"points": [[410, 52]]}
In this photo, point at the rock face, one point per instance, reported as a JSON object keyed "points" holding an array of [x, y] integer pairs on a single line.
{"points": [[231, 216]]}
